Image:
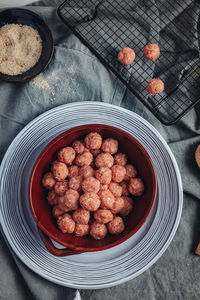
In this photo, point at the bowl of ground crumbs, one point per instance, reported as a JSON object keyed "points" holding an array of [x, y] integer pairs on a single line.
{"points": [[26, 45]]}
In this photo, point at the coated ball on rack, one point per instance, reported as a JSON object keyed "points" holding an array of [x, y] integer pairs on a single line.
{"points": [[155, 86], [151, 51], [66, 224], [126, 56]]}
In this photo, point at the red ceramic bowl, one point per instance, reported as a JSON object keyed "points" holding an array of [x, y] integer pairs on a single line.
{"points": [[41, 211]]}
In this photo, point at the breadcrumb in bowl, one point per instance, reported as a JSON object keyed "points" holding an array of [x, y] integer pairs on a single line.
{"points": [[24, 18], [81, 241]]}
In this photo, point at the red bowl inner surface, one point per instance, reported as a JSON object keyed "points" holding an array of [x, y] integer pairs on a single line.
{"points": [[136, 155]]}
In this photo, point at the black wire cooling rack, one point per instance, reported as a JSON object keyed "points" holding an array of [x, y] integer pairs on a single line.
{"points": [[107, 26]]}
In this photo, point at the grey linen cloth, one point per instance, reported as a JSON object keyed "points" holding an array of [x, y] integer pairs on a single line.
{"points": [[76, 75]]}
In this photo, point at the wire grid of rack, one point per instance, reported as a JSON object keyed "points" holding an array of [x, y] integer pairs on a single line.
{"points": [[107, 26]]}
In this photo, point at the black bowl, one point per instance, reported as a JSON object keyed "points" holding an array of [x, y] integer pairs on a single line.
{"points": [[27, 17]]}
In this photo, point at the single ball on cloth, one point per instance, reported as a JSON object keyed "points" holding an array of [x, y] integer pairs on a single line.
{"points": [[81, 229], [98, 231], [90, 201], [48, 181], [59, 170], [136, 186], [93, 140], [126, 56], [116, 226], [66, 224], [81, 216], [67, 155], [155, 86], [151, 51], [103, 216]]}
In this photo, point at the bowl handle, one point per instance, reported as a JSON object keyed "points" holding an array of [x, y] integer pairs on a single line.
{"points": [[52, 249]]}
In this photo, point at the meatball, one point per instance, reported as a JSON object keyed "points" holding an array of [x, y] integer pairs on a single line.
{"points": [[86, 171], [128, 206], [81, 216], [78, 146], [118, 205], [48, 181], [116, 226], [95, 152], [98, 231], [61, 187], [103, 187], [115, 189], [57, 212], [151, 51], [82, 229], [75, 183], [52, 198], [136, 186], [66, 224], [103, 216], [104, 160], [73, 171], [67, 155], [130, 172], [118, 173], [120, 159], [110, 146], [91, 184], [126, 56], [93, 140], [107, 199], [59, 170], [90, 201], [84, 159], [155, 86], [124, 186], [69, 201], [104, 175]]}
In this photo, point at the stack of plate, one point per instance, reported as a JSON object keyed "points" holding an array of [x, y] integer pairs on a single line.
{"points": [[98, 269]]}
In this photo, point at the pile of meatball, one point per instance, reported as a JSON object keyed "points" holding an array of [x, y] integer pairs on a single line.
{"points": [[91, 187], [126, 56]]}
